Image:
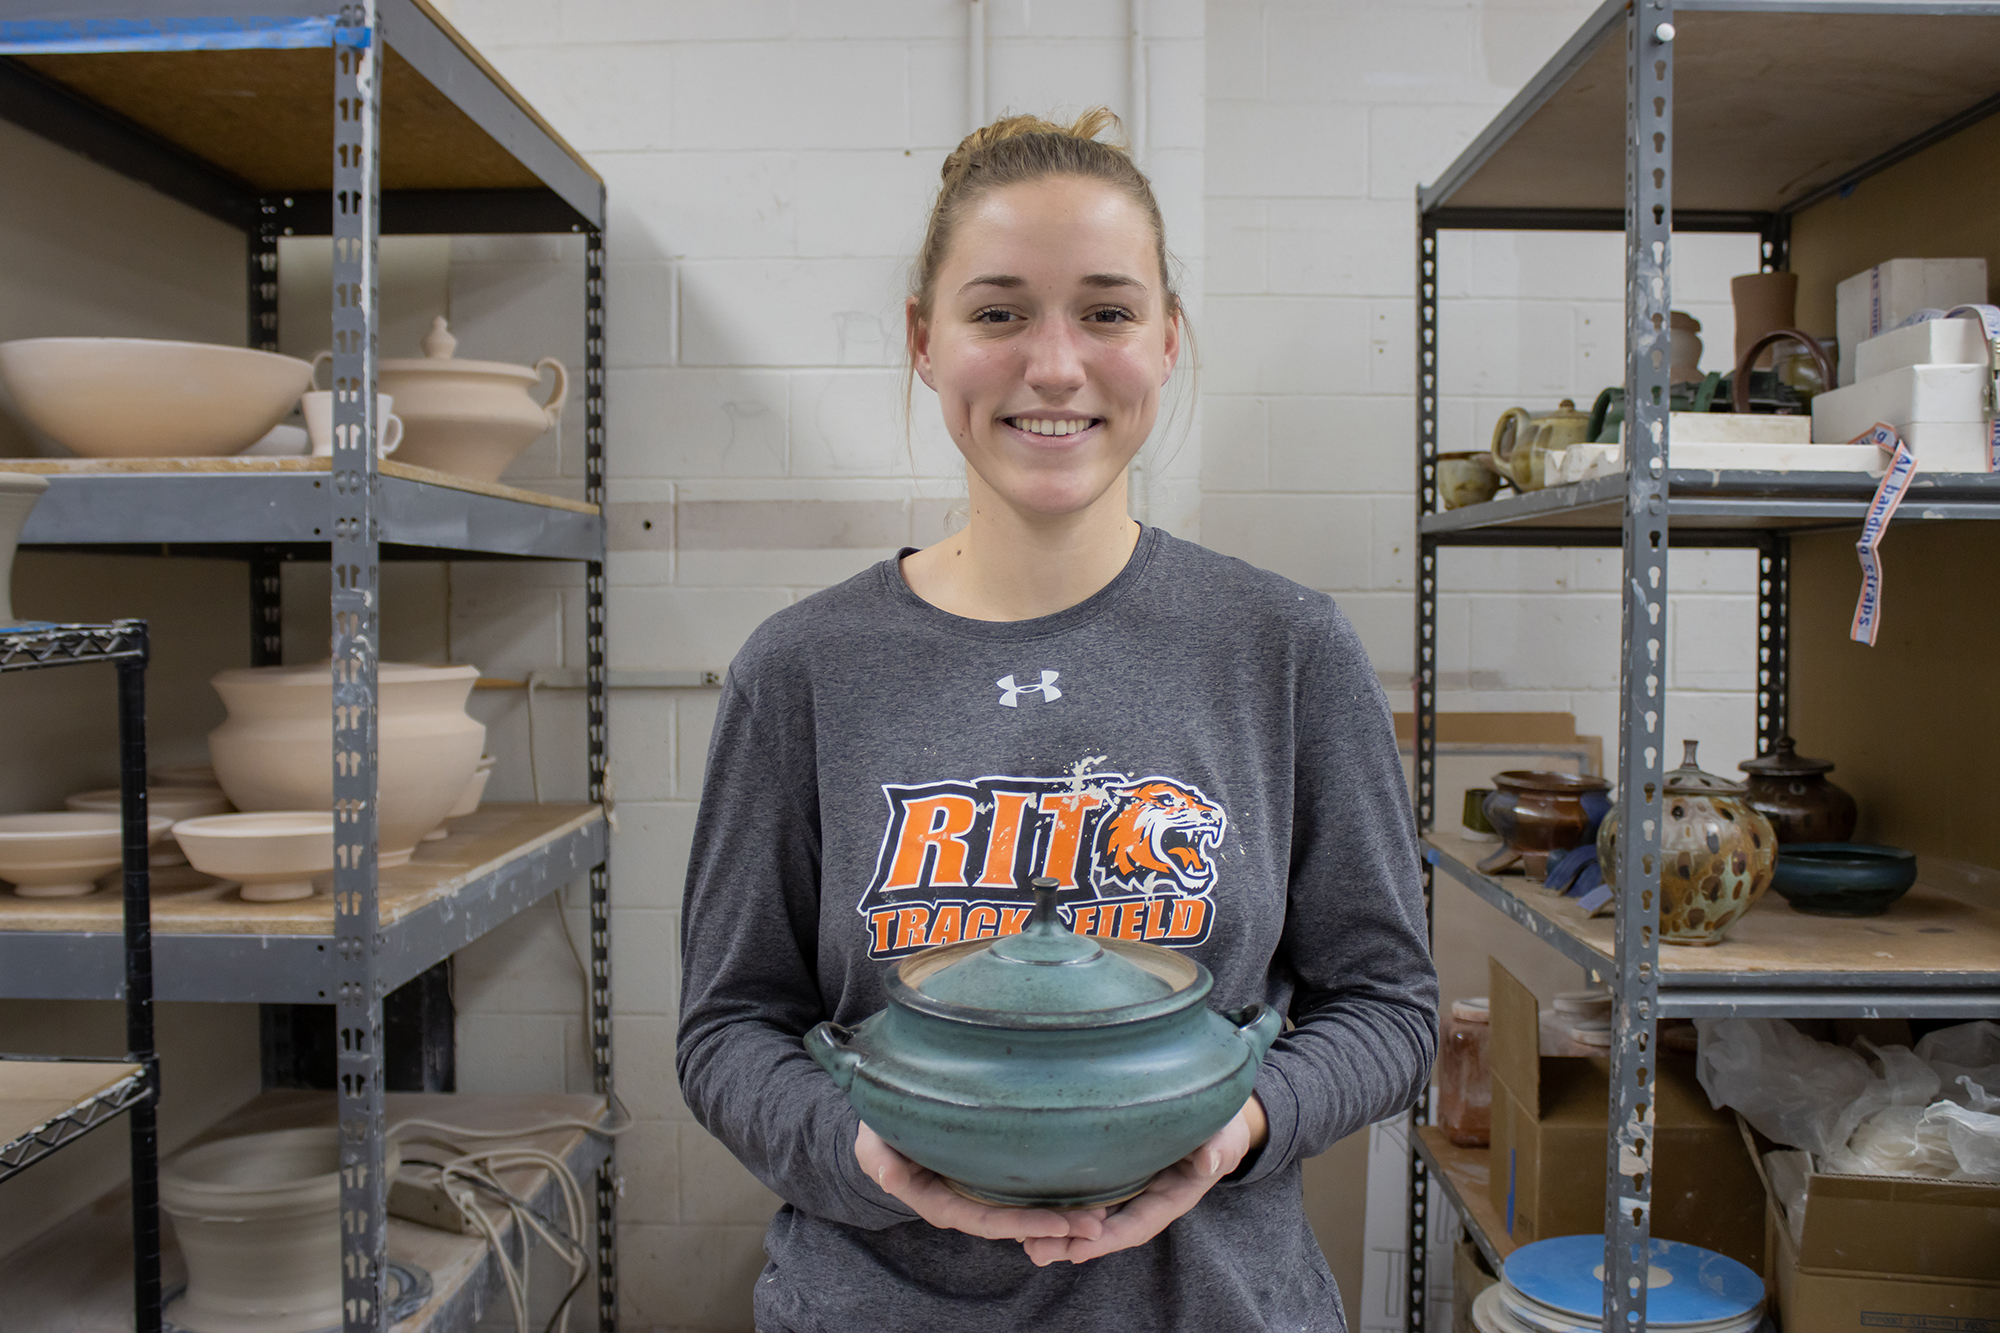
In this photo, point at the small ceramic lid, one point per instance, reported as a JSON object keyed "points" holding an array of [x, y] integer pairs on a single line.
{"points": [[1475, 1010], [1582, 1003], [1690, 779], [440, 345], [1784, 762], [1046, 969]]}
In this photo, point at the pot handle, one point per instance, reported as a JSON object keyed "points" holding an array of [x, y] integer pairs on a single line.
{"points": [[321, 357], [552, 405], [827, 1044], [1503, 459], [1257, 1024]]}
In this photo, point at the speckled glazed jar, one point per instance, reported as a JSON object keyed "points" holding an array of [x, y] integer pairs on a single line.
{"points": [[1047, 1069], [1793, 792], [1718, 854]]}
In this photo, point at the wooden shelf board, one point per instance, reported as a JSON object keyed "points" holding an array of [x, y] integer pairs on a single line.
{"points": [[77, 1276], [35, 1092], [86, 467], [1467, 1171], [1927, 935], [480, 843]]}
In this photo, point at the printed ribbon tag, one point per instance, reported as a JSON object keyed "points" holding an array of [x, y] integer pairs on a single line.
{"points": [[1989, 322], [1888, 496]]}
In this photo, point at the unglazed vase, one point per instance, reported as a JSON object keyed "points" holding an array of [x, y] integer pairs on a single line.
{"points": [[1717, 854], [273, 854], [18, 493], [1763, 302], [150, 397], [1047, 1069], [275, 751], [258, 1219], [468, 418], [63, 853]]}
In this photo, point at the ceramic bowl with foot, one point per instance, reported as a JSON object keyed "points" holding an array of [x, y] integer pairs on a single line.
{"points": [[1843, 878], [62, 853], [175, 803], [468, 800], [273, 854]]}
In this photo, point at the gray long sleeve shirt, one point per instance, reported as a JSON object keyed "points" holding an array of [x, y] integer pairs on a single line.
{"points": [[1200, 754]]}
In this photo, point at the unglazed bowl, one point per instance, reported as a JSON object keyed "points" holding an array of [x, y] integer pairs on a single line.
{"points": [[62, 853], [183, 775], [273, 854], [275, 751], [468, 801], [258, 1219], [150, 397], [175, 803]]}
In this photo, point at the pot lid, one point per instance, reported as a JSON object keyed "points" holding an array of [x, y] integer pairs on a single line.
{"points": [[1689, 778], [1046, 969], [1783, 762], [1565, 409], [320, 674], [439, 345]]}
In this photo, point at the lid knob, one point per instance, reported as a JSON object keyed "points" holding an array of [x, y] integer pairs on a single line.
{"points": [[439, 343], [1044, 919]]}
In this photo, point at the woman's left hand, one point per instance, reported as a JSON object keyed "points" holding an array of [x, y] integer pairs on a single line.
{"points": [[1172, 1193]]}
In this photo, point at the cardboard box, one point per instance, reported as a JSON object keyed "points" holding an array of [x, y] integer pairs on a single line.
{"points": [[1469, 1277], [1549, 1143], [1877, 299], [1884, 1252]]}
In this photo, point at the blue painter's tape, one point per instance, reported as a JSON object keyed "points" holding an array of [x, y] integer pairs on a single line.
{"points": [[358, 38], [48, 37]]}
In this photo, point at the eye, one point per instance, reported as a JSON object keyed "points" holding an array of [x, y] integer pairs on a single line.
{"points": [[993, 314], [1110, 315]]}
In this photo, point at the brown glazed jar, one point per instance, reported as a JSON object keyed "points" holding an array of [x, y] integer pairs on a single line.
{"points": [[1465, 1078], [1793, 793], [1540, 815]]}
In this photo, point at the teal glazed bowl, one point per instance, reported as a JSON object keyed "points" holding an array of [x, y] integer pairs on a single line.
{"points": [[1843, 878], [1047, 1069]]}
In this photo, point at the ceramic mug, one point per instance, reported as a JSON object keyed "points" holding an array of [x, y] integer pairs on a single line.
{"points": [[318, 406]]}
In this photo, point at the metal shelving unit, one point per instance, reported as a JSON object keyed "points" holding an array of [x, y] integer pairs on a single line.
{"points": [[53, 1102], [1657, 117], [352, 121]]}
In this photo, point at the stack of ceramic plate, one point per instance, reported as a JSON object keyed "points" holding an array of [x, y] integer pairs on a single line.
{"points": [[1557, 1286]]}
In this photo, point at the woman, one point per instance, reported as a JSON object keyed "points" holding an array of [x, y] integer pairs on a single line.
{"points": [[1196, 750]]}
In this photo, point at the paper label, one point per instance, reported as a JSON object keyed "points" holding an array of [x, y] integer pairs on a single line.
{"points": [[1888, 496]]}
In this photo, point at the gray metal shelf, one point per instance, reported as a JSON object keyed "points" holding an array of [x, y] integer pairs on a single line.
{"points": [[1458, 1171], [1776, 962], [284, 964], [208, 513], [269, 114], [61, 1099], [1709, 508], [1657, 117]]}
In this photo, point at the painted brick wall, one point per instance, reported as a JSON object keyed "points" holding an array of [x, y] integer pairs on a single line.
{"points": [[769, 165]]}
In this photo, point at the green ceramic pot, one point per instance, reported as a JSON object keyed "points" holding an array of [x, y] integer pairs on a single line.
{"points": [[1047, 1069]]}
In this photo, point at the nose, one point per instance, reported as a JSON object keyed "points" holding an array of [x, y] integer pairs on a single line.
{"points": [[1055, 359]]}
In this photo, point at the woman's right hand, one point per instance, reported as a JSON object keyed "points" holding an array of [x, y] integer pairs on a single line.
{"points": [[941, 1206]]}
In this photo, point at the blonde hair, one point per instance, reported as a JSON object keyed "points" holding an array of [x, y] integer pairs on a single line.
{"points": [[1016, 149]]}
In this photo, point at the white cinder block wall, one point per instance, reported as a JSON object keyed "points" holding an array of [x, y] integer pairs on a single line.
{"points": [[769, 165]]}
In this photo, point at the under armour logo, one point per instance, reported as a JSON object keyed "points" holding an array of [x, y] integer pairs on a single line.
{"points": [[1010, 693]]}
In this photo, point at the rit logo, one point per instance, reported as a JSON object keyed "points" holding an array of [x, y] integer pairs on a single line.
{"points": [[1010, 693]]}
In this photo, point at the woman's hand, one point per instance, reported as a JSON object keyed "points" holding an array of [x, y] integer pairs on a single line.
{"points": [[1173, 1192], [941, 1206]]}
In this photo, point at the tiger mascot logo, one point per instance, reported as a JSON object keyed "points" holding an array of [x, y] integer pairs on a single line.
{"points": [[1161, 836]]}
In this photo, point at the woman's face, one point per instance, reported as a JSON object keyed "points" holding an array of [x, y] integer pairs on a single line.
{"points": [[1048, 342]]}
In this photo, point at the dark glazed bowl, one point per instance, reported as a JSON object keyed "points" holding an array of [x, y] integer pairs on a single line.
{"points": [[1843, 878]]}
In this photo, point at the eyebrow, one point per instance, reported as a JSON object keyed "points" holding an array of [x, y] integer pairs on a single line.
{"points": [[1104, 280]]}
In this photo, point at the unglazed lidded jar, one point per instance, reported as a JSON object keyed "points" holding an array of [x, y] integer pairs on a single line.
{"points": [[275, 751], [1047, 1069], [468, 418], [1717, 854]]}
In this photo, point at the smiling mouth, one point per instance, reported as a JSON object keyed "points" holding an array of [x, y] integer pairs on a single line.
{"points": [[1052, 426]]}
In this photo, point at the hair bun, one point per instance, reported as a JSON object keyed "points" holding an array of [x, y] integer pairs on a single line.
{"points": [[972, 149]]}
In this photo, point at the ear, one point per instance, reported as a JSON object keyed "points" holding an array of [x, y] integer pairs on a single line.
{"points": [[1173, 348], [917, 339]]}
